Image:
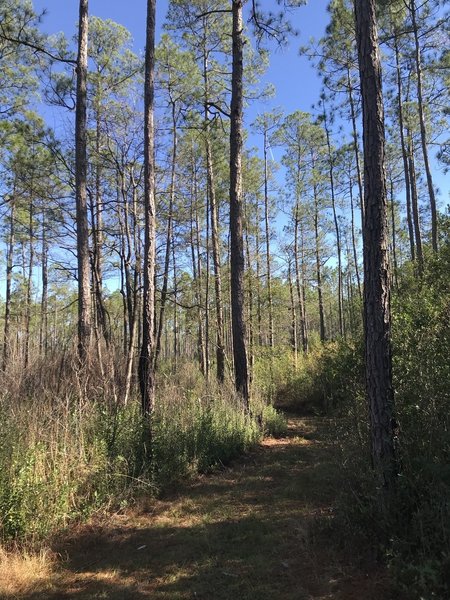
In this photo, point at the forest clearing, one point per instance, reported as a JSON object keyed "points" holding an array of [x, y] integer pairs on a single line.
{"points": [[224, 299]]}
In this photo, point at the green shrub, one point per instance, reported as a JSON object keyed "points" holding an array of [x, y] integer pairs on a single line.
{"points": [[324, 380], [415, 542], [274, 423], [197, 434], [61, 460]]}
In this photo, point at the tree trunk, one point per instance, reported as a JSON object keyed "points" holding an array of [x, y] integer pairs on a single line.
{"points": [[299, 283], [146, 359], [294, 344], [43, 328], [250, 299], [176, 340], [318, 263], [355, 253], [220, 348], [197, 265], [356, 145], [97, 239], [267, 232], [237, 242], [394, 233], [169, 237], [414, 201], [213, 213], [84, 275], [336, 223], [9, 278], [404, 151], [29, 278], [258, 280], [377, 318], [423, 133]]}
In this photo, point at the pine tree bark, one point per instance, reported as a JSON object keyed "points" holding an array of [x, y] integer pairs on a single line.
{"points": [[9, 279], [197, 262], [29, 277], [336, 223], [43, 326], [220, 348], [176, 331], [403, 147], [236, 231], [169, 237], [258, 279], [423, 131], [197, 267], [354, 245], [377, 318], [267, 235], [294, 344], [213, 213], [414, 200], [146, 359], [318, 261], [250, 298], [356, 145], [300, 283], [97, 239], [84, 275], [394, 233]]}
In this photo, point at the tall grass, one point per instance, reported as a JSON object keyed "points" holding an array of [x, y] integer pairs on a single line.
{"points": [[65, 453]]}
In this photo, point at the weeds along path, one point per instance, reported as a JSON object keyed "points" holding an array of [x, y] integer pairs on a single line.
{"points": [[246, 533]]}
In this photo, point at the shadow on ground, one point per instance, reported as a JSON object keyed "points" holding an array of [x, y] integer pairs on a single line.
{"points": [[247, 533]]}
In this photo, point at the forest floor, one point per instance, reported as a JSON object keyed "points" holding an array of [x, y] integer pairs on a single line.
{"points": [[248, 532]]}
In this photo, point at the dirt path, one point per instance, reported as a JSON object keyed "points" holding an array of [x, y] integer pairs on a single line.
{"points": [[245, 533]]}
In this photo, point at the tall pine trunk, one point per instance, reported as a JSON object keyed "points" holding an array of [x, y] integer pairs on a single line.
{"points": [[318, 261], [423, 132], [336, 222], [377, 317], [43, 327], [299, 279], [146, 368], [29, 278], [356, 145], [237, 241], [414, 200], [9, 279], [267, 236], [404, 151], [169, 237], [84, 275]]}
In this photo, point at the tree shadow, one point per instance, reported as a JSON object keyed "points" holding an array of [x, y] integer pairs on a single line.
{"points": [[246, 533]]}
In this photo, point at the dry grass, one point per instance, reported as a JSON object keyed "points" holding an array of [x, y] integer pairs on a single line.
{"points": [[24, 573], [248, 533]]}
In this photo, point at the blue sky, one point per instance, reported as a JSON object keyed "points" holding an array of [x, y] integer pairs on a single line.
{"points": [[297, 86], [297, 91], [296, 83]]}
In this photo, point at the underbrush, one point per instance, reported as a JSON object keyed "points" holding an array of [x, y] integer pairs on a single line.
{"points": [[61, 458], [323, 381], [414, 542]]}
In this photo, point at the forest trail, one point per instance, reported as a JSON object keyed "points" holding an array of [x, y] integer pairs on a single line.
{"points": [[245, 533]]}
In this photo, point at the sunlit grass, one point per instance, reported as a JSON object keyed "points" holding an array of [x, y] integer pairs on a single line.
{"points": [[23, 573], [247, 532]]}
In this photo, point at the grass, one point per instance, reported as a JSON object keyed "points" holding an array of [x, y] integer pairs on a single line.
{"points": [[249, 531], [23, 573], [62, 459]]}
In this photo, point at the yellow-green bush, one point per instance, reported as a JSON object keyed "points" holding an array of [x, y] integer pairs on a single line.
{"points": [[62, 459]]}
